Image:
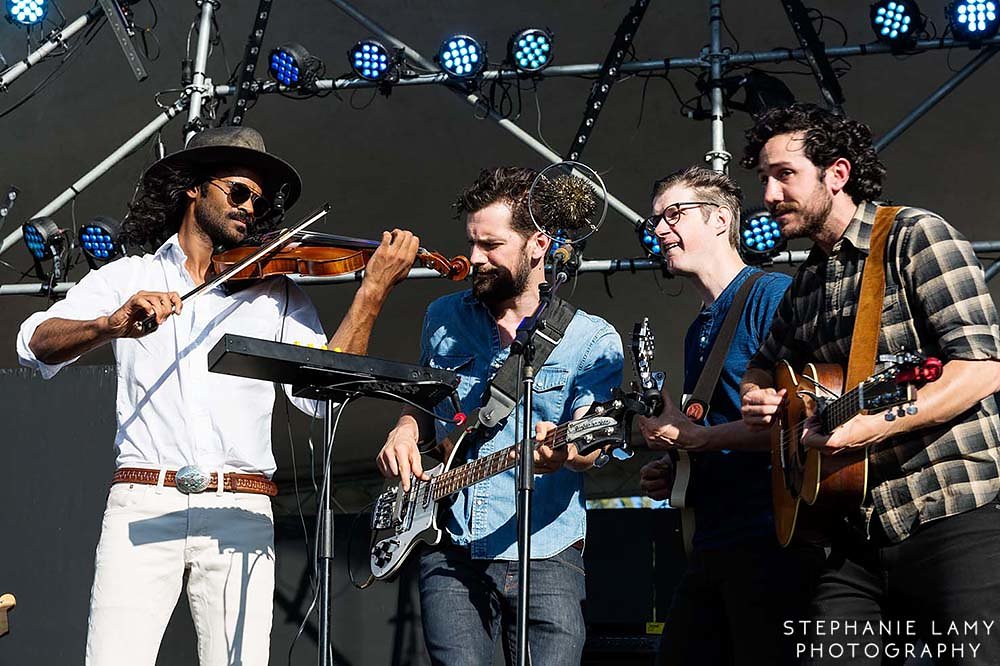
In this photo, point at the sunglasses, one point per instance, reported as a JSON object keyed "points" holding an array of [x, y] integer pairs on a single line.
{"points": [[239, 193]]}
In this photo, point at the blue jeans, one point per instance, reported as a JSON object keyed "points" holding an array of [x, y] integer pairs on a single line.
{"points": [[466, 604]]}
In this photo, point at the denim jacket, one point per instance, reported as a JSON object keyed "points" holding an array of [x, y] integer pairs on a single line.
{"points": [[460, 334]]}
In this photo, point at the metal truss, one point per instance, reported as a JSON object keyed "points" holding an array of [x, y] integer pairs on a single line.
{"points": [[715, 59]]}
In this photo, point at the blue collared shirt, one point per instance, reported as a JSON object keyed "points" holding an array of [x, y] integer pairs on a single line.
{"points": [[731, 490], [460, 334]]}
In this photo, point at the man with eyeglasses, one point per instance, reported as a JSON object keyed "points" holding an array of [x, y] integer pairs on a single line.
{"points": [[739, 585], [182, 429]]}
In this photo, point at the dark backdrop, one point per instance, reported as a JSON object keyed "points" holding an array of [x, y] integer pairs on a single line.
{"points": [[399, 161]]}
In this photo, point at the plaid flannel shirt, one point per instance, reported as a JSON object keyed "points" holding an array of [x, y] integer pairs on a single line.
{"points": [[936, 303]]}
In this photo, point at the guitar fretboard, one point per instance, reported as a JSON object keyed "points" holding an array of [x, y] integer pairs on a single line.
{"points": [[479, 469], [843, 409]]}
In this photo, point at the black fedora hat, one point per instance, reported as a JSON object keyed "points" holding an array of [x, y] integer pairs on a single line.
{"points": [[235, 146]]}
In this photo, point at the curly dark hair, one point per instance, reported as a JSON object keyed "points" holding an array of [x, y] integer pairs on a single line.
{"points": [[157, 209], [155, 212], [509, 185], [828, 137]]}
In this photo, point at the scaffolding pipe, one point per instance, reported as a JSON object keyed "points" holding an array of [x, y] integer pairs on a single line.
{"points": [[619, 206], [935, 97], [773, 56], [88, 178]]}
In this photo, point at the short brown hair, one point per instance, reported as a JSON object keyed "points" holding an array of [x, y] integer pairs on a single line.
{"points": [[507, 185], [714, 187]]}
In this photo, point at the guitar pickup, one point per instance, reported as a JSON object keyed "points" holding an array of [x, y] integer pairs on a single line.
{"points": [[401, 508]]}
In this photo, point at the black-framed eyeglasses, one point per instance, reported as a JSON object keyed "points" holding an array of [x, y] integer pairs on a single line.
{"points": [[671, 215], [239, 193]]}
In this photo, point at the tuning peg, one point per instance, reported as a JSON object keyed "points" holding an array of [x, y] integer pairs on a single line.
{"points": [[911, 409], [889, 416], [900, 411], [601, 461]]}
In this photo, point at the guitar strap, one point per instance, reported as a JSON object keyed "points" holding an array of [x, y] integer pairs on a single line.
{"points": [[695, 406], [868, 318], [498, 398]]}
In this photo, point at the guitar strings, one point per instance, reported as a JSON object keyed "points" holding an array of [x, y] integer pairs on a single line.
{"points": [[454, 480], [837, 408]]}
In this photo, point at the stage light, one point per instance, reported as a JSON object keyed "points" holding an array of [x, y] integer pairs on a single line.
{"points": [[99, 240], [973, 20], [370, 60], [26, 12], [530, 50], [760, 236], [648, 240], [461, 57], [291, 65], [896, 21], [42, 236]]}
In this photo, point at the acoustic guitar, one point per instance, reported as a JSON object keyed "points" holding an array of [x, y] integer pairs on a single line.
{"points": [[832, 483]]}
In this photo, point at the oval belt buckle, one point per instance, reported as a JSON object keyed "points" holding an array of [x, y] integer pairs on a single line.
{"points": [[191, 479]]}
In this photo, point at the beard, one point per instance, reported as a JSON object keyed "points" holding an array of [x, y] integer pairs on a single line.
{"points": [[812, 214], [498, 284], [217, 226]]}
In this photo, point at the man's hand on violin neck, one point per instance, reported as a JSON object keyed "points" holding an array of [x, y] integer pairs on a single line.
{"points": [[392, 261], [125, 322]]}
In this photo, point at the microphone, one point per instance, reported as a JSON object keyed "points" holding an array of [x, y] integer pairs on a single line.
{"points": [[565, 262], [562, 206], [563, 255]]}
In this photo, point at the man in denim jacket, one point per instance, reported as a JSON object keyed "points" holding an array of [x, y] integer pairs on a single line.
{"points": [[468, 584]]}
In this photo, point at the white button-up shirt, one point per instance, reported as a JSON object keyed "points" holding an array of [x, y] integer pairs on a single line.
{"points": [[171, 410]]}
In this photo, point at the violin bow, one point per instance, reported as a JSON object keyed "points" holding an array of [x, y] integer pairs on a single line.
{"points": [[148, 325]]}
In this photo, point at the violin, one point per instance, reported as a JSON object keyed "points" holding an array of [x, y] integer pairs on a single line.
{"points": [[324, 254], [312, 254]]}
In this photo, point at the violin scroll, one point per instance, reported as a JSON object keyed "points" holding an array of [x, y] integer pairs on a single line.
{"points": [[456, 268]]}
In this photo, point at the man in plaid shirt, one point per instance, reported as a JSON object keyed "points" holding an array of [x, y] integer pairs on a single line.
{"points": [[926, 546]]}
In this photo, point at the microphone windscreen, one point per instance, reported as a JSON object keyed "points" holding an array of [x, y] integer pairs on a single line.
{"points": [[564, 205]]}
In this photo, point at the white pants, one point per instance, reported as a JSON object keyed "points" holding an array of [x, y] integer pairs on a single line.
{"points": [[150, 537]]}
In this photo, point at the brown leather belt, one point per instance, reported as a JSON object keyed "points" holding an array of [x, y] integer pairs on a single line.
{"points": [[231, 481]]}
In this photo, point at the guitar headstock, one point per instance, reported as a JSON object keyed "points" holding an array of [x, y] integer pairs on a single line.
{"points": [[643, 349], [606, 425], [894, 386], [7, 604]]}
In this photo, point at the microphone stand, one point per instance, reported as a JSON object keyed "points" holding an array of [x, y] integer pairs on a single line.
{"points": [[522, 344]]}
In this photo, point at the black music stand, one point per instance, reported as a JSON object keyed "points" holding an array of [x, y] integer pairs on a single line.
{"points": [[332, 377]]}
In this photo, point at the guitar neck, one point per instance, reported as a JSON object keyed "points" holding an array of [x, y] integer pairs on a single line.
{"points": [[842, 410], [473, 472]]}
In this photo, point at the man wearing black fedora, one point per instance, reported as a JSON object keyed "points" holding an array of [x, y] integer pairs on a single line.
{"points": [[180, 427]]}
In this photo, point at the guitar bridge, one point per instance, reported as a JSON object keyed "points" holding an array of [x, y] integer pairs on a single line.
{"points": [[382, 514]]}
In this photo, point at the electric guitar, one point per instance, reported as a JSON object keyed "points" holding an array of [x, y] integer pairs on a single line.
{"points": [[649, 384], [401, 520], [839, 482]]}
